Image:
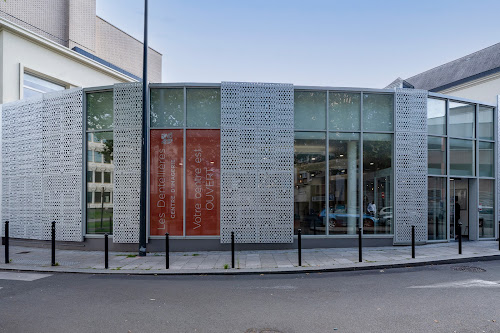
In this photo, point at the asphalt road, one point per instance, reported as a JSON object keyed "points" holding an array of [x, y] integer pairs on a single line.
{"points": [[446, 298]]}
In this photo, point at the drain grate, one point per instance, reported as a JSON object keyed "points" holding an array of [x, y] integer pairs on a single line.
{"points": [[23, 252], [468, 269]]}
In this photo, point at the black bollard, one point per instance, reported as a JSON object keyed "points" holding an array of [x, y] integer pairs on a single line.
{"points": [[413, 241], [106, 251], [167, 252], [7, 260], [232, 249], [299, 241], [360, 250], [460, 238], [53, 229]]}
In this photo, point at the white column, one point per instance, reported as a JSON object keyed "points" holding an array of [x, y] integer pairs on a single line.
{"points": [[351, 186]]}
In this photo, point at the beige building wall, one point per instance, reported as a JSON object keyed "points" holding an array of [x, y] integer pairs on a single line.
{"points": [[23, 51], [48, 18], [73, 23], [484, 89], [117, 47]]}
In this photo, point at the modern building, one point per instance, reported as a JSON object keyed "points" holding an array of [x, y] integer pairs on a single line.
{"points": [[261, 160], [51, 45], [474, 76]]}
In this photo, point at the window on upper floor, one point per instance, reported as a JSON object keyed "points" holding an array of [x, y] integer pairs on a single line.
{"points": [[34, 85]]}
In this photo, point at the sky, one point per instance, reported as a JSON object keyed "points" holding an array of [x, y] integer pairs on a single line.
{"points": [[310, 42]]}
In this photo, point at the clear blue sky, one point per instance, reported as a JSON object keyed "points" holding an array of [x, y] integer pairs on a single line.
{"points": [[334, 43]]}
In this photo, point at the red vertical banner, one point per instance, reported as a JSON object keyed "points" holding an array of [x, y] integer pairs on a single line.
{"points": [[202, 182], [166, 178]]}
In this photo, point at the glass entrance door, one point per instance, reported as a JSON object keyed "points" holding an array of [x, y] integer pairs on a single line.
{"points": [[459, 206]]}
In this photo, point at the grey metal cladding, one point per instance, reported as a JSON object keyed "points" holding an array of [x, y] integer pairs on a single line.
{"points": [[257, 162], [410, 165], [42, 173], [127, 160]]}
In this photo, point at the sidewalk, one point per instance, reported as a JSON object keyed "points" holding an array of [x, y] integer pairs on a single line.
{"points": [[246, 262]]}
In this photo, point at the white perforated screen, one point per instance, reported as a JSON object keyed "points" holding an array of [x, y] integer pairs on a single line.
{"points": [[257, 162]]}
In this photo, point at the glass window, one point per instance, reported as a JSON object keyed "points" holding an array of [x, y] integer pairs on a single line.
{"points": [[100, 110], [486, 159], [167, 107], [344, 111], [97, 157], [461, 157], [436, 208], [107, 197], [377, 183], [436, 116], [89, 197], [90, 156], [98, 177], [310, 109], [378, 112], [436, 155], [343, 178], [90, 176], [107, 177], [33, 86], [485, 123], [461, 120], [309, 177], [486, 208], [203, 107], [97, 197]]}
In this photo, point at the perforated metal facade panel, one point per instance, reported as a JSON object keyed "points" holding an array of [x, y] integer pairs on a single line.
{"points": [[410, 165], [127, 161], [42, 166], [257, 162]]}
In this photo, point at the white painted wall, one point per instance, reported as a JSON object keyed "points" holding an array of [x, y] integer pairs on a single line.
{"points": [[22, 50], [485, 89]]}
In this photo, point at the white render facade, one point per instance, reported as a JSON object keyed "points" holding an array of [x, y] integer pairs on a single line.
{"points": [[257, 159]]}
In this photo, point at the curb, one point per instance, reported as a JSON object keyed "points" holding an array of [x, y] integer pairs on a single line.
{"points": [[296, 270]]}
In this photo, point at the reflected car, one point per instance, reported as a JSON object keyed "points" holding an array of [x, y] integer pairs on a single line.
{"points": [[340, 220]]}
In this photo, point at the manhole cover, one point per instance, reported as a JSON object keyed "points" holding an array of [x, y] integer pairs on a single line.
{"points": [[468, 269], [262, 330]]}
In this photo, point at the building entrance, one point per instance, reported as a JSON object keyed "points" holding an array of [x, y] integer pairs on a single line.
{"points": [[459, 206]]}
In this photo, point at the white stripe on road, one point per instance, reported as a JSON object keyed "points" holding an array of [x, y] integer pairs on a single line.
{"points": [[463, 284], [22, 276]]}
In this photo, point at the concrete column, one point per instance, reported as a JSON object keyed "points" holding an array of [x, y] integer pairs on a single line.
{"points": [[352, 197]]}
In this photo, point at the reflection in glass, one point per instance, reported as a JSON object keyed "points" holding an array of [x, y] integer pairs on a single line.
{"points": [[486, 208], [378, 112], [309, 109], [100, 110], [167, 107], [486, 159], [377, 183], [436, 116], [437, 208], [203, 107], [461, 120], [436, 155], [485, 123], [461, 157], [100, 211], [309, 178], [344, 111], [343, 200]]}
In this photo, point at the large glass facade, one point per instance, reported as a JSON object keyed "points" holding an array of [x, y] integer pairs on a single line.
{"points": [[100, 168], [461, 120], [185, 161], [486, 208], [343, 180], [309, 176], [461, 157], [437, 208], [377, 183], [436, 116], [436, 155], [310, 110], [344, 111], [378, 112]]}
